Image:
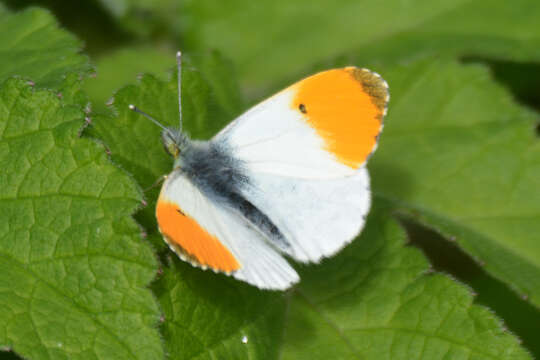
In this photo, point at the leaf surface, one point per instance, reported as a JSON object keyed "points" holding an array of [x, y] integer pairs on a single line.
{"points": [[377, 300], [33, 46], [73, 267], [459, 155], [270, 39], [120, 67]]}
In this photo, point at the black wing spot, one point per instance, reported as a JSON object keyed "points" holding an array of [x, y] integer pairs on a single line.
{"points": [[181, 212], [302, 108]]}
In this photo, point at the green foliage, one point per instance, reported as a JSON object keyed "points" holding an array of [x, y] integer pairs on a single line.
{"points": [[119, 70], [208, 315], [377, 301], [33, 46], [262, 36], [73, 267], [475, 189], [457, 155]]}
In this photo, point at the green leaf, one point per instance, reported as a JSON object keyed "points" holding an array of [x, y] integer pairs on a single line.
{"points": [[268, 39], [459, 155], [377, 300], [208, 315], [520, 317], [220, 73], [148, 18], [73, 268], [34, 47], [374, 300], [120, 67], [303, 32]]}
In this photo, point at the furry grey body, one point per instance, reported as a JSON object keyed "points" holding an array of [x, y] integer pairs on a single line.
{"points": [[219, 176]]}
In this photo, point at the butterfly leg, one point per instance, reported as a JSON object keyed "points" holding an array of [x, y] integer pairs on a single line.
{"points": [[156, 183]]}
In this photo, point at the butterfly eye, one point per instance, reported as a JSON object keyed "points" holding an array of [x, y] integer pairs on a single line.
{"points": [[170, 144], [173, 149], [302, 108]]}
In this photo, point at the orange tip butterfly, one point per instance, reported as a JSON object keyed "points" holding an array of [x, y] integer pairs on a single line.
{"points": [[288, 177]]}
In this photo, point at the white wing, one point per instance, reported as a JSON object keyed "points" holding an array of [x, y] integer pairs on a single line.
{"points": [[317, 217]]}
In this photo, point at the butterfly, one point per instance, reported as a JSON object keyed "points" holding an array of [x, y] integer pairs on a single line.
{"points": [[286, 178]]}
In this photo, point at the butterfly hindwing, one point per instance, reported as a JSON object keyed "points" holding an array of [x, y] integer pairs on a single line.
{"points": [[317, 217], [212, 235]]}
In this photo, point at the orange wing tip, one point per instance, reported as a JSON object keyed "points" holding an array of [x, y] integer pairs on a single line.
{"points": [[346, 108], [191, 242]]}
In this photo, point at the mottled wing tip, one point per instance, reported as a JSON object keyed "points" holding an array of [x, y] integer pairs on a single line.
{"points": [[374, 85]]}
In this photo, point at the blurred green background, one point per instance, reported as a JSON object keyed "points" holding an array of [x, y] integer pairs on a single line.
{"points": [[272, 43]]}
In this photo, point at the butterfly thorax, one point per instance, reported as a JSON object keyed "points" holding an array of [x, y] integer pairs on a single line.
{"points": [[210, 166]]}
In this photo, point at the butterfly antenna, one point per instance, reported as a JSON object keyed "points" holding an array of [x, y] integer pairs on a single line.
{"points": [[179, 65], [137, 110]]}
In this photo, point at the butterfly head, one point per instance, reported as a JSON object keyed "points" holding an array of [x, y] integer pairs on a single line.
{"points": [[174, 141]]}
